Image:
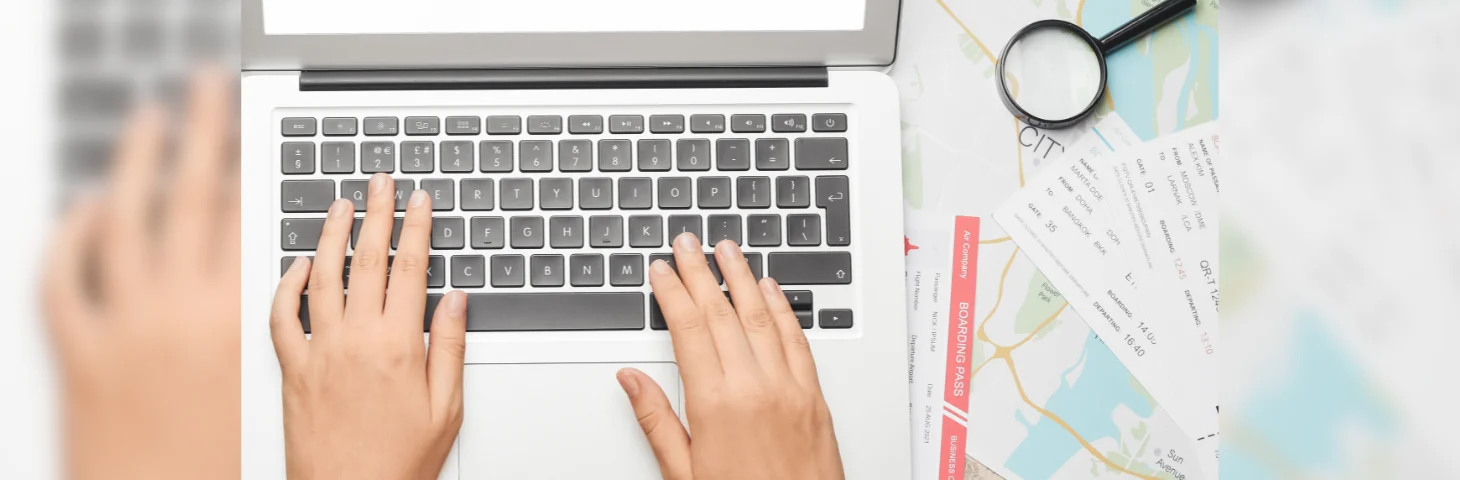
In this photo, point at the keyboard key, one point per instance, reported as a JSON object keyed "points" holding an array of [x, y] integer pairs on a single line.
{"points": [[523, 311], [586, 270], [732, 154], [821, 153], [557, 194], [709, 258], [544, 124], [403, 189], [833, 195], [381, 126], [565, 232], [355, 231], [585, 124], [298, 127], [355, 191], [656, 315], [747, 123], [296, 158], [654, 155], [793, 192], [507, 271], [547, 271], [340, 126], [835, 318], [606, 231], [615, 155], [442, 192], [788, 122], [753, 192], [829, 122], [300, 196], [417, 157], [799, 299], [803, 317], [463, 125], [723, 227], [395, 229], [714, 192], [626, 270], [646, 231], [692, 155], [707, 123], [300, 233], [436, 272], [803, 230], [527, 232], [680, 224], [504, 125], [337, 157], [772, 154], [635, 193], [764, 230], [575, 155], [377, 157], [537, 156], [666, 123], [626, 124], [448, 233], [516, 194], [595, 193], [810, 268], [476, 194], [458, 157], [487, 233], [753, 259], [675, 192], [496, 156], [423, 126], [470, 271]]}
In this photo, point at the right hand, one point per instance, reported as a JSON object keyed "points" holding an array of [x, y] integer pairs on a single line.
{"points": [[750, 387]]}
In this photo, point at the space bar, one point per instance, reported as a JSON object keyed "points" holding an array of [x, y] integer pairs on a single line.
{"points": [[520, 312]]}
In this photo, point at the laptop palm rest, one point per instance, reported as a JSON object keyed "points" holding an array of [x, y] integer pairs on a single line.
{"points": [[559, 420]]}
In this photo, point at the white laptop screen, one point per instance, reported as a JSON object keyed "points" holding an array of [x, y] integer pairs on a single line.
{"points": [[355, 17]]}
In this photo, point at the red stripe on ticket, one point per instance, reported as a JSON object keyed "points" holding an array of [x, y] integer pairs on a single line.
{"points": [[960, 343]]}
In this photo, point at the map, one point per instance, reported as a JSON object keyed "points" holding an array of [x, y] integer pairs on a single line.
{"points": [[1048, 398]]}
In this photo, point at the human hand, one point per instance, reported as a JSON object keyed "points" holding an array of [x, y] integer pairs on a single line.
{"points": [[142, 301], [362, 397], [751, 393]]}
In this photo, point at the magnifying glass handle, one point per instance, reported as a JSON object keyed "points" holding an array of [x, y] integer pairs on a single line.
{"points": [[1155, 17]]}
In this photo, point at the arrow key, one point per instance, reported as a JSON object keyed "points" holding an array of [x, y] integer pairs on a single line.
{"points": [[835, 318], [304, 196]]}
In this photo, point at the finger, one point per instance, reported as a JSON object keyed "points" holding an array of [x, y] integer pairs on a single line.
{"points": [[694, 349], [372, 248], [405, 301], [69, 310], [131, 194], [230, 237], [793, 339], [195, 192], [661, 426], [326, 281], [447, 356], [760, 329], [289, 342], [725, 328]]}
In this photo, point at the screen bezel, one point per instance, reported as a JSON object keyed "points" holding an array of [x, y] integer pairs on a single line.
{"points": [[874, 45]]}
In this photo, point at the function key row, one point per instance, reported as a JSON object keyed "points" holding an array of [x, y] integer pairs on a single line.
{"points": [[554, 124]]}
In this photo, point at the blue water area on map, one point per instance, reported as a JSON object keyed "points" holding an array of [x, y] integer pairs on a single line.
{"points": [[1087, 405], [1303, 415], [1133, 81]]}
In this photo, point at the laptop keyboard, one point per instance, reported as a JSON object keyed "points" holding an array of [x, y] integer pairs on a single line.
{"points": [[550, 221]]}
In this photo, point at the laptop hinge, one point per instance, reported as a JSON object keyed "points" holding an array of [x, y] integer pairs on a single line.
{"points": [[547, 79]]}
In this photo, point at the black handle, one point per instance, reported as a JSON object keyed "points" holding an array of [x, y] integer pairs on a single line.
{"points": [[1155, 17]]}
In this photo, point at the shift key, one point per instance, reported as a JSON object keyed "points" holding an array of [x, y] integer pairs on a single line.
{"points": [[810, 268]]}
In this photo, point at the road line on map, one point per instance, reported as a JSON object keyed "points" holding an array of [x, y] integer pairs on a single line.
{"points": [[994, 240]]}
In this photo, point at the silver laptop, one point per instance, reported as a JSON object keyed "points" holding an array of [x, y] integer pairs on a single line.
{"points": [[565, 142]]}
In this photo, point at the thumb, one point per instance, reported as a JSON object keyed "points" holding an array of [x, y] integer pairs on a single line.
{"points": [[666, 435], [447, 356]]}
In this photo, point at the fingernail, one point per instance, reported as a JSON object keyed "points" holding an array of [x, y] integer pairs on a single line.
{"points": [[455, 303], [377, 183], [418, 197], [661, 267], [627, 381], [298, 263], [729, 251], [687, 241], [338, 208], [768, 286]]}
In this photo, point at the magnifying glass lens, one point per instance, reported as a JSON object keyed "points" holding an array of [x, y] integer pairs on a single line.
{"points": [[1052, 72]]}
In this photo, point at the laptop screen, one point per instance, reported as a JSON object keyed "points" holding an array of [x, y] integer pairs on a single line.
{"points": [[347, 17]]}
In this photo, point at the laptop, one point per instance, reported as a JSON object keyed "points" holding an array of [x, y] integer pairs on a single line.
{"points": [[565, 143]]}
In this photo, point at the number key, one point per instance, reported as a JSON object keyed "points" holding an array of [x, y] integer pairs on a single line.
{"points": [[376, 157]]}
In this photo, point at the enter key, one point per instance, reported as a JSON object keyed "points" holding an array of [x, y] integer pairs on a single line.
{"points": [[832, 194]]}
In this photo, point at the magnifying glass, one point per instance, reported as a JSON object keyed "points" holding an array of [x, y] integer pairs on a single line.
{"points": [[1053, 72]]}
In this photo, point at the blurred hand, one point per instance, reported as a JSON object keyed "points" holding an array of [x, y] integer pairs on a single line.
{"points": [[362, 397], [142, 301], [751, 393]]}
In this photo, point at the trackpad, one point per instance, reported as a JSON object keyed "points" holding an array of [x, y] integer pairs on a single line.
{"points": [[562, 420]]}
